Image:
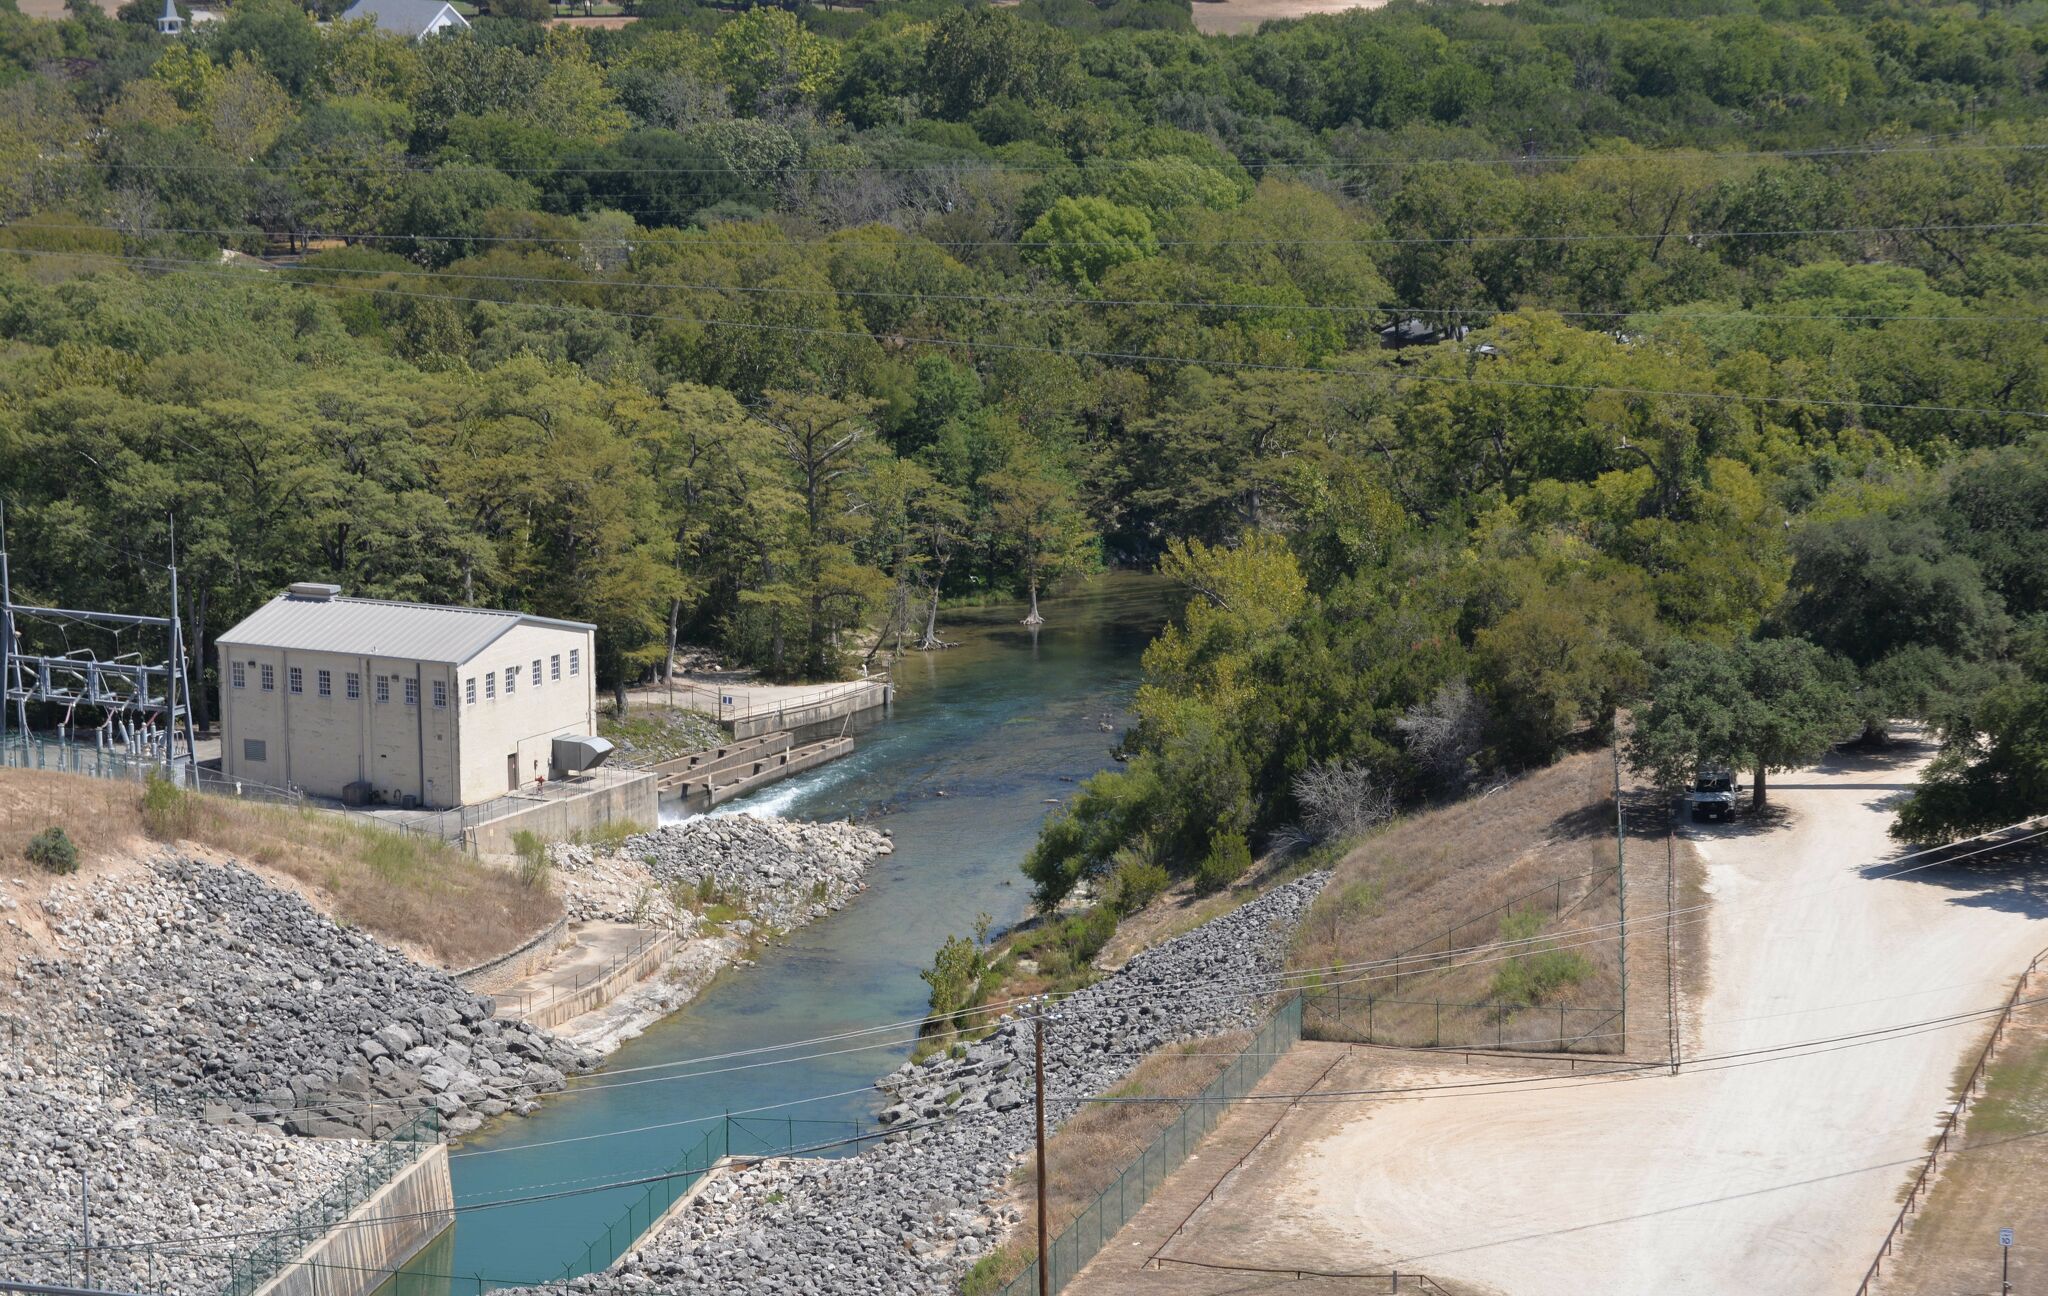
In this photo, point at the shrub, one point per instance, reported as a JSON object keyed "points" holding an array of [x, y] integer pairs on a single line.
{"points": [[534, 867], [169, 812], [51, 851], [1137, 882], [1229, 858], [1533, 978], [1339, 801]]}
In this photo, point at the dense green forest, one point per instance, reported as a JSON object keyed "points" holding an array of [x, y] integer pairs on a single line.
{"points": [[775, 329]]}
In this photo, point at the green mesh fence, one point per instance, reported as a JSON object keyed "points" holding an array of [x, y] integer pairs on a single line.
{"points": [[737, 1136], [1078, 1243], [269, 1255]]}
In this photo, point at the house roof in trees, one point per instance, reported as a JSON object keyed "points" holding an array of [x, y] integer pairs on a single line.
{"points": [[314, 618], [413, 18]]}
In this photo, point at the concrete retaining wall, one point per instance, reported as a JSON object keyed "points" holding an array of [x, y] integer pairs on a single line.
{"points": [[633, 801], [851, 702], [357, 1257], [571, 1004]]}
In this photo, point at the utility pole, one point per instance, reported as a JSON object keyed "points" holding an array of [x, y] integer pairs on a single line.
{"points": [[85, 1223], [1671, 941], [1621, 881], [1038, 1073]]}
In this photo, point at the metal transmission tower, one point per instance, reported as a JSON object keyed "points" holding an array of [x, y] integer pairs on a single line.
{"points": [[145, 702]]}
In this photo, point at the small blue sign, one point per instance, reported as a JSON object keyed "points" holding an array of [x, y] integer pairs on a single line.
{"points": [[2005, 1237]]}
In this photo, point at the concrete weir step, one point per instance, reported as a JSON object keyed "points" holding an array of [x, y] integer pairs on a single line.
{"points": [[746, 767], [703, 766]]}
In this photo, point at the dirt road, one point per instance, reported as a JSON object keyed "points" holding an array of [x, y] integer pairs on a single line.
{"points": [[1771, 1177]]}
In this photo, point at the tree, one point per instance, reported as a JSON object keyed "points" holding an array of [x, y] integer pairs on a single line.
{"points": [[1762, 705], [1992, 771], [1868, 585], [824, 447], [1081, 239], [1037, 523]]}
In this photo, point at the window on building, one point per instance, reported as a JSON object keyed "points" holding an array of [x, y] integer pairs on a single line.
{"points": [[536, 672], [324, 681], [490, 684], [295, 679], [269, 678], [355, 686], [511, 679], [253, 749], [412, 691], [238, 675], [383, 688], [555, 666], [575, 661], [469, 690], [440, 693]]}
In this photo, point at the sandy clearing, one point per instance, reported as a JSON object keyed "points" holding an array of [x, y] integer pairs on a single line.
{"points": [[1778, 1177], [1231, 17]]}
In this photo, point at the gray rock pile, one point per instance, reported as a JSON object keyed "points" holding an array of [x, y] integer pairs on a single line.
{"points": [[210, 993], [152, 1178], [909, 1215], [785, 872]]}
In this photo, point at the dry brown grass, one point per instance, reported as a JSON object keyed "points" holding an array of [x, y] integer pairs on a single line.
{"points": [[1437, 881], [1085, 1155], [428, 898]]}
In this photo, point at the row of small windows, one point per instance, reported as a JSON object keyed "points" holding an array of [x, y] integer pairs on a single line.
{"points": [[510, 676], [295, 680]]}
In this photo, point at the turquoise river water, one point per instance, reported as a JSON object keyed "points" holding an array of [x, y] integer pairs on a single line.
{"points": [[1000, 725]]}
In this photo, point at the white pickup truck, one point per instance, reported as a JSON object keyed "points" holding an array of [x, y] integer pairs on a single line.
{"points": [[1713, 793]]}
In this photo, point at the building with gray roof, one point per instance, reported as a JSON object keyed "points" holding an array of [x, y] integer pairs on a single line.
{"points": [[416, 19], [415, 704]]}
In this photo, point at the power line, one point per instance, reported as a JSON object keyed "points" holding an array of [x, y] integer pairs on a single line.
{"points": [[1676, 311], [427, 165], [1126, 357], [709, 240]]}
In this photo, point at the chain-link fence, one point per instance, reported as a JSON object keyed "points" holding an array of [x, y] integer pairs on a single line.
{"points": [[734, 1136], [1437, 1023], [1108, 1213], [269, 1255]]}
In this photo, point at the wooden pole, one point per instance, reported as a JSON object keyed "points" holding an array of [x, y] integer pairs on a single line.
{"points": [[1044, 1225]]}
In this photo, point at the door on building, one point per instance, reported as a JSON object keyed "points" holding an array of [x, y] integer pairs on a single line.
{"points": [[512, 772]]}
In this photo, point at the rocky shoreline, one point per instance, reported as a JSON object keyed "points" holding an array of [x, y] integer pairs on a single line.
{"points": [[189, 1022], [774, 875], [911, 1214]]}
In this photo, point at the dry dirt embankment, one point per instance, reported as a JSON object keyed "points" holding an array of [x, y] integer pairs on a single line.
{"points": [[172, 1019], [1749, 1173]]}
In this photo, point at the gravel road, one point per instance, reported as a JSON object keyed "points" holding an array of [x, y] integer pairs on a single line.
{"points": [[1778, 1177]]}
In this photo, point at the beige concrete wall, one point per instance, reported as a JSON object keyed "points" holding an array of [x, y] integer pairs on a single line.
{"points": [[456, 754], [515, 730], [419, 1205], [551, 1009], [322, 743], [634, 801]]}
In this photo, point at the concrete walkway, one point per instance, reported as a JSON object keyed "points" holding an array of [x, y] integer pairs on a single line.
{"points": [[601, 962]]}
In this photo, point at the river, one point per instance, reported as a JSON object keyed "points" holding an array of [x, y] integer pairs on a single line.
{"points": [[982, 737]]}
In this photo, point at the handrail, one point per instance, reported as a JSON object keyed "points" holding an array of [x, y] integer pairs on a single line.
{"points": [[1951, 1121]]}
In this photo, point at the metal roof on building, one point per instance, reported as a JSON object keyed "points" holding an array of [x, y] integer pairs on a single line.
{"points": [[309, 619]]}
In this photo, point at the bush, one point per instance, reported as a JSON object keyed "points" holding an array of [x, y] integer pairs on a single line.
{"points": [[1533, 978], [1137, 882], [169, 812], [1229, 858], [534, 867], [1340, 801], [51, 851]]}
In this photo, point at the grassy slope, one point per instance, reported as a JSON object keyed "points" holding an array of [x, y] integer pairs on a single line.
{"points": [[430, 899]]}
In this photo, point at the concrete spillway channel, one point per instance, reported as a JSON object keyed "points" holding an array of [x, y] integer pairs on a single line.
{"points": [[702, 780]]}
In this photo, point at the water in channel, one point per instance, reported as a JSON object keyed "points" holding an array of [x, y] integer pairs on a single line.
{"points": [[983, 735]]}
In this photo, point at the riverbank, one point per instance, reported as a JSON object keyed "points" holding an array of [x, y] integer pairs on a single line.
{"points": [[726, 885], [913, 1214]]}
